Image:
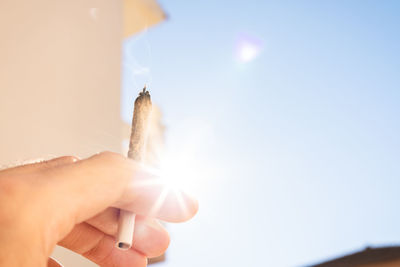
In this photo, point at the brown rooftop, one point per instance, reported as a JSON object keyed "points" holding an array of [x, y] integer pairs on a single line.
{"points": [[384, 256]]}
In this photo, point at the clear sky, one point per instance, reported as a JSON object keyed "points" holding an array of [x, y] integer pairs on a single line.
{"points": [[289, 113]]}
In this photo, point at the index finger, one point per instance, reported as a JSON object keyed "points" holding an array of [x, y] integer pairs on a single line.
{"points": [[85, 188]]}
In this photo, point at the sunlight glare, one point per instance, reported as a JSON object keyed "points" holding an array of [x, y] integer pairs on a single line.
{"points": [[247, 48]]}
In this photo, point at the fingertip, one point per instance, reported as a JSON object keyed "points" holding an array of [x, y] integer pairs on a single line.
{"points": [[178, 207], [195, 207], [163, 241], [150, 238], [189, 207]]}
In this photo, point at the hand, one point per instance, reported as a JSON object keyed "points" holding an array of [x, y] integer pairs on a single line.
{"points": [[74, 203]]}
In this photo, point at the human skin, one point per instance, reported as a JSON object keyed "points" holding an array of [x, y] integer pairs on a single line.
{"points": [[75, 204]]}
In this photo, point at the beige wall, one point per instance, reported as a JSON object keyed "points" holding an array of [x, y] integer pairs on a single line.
{"points": [[59, 78], [59, 81]]}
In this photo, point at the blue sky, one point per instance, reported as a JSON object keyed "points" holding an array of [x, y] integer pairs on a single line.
{"points": [[296, 152]]}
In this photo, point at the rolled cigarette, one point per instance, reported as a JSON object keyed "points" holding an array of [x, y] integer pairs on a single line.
{"points": [[139, 133]]}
